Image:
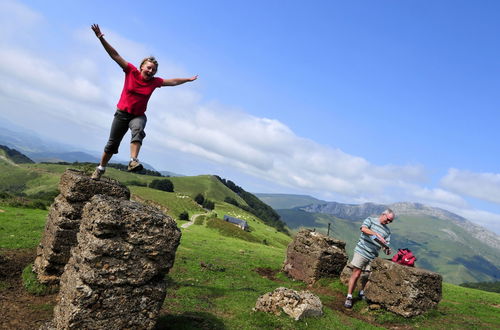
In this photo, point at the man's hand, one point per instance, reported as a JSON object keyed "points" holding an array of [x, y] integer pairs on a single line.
{"points": [[97, 30], [380, 238]]}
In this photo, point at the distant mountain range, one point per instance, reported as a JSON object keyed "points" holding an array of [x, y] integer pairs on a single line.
{"points": [[443, 241], [40, 149], [44, 150]]}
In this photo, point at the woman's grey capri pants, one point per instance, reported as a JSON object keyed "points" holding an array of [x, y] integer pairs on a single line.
{"points": [[121, 123]]}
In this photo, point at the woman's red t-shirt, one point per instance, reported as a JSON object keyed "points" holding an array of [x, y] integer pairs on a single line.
{"points": [[136, 91]]}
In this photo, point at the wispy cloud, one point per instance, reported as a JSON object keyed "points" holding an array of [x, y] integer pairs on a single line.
{"points": [[437, 196], [485, 186]]}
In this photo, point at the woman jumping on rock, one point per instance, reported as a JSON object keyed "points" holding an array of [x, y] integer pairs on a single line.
{"points": [[137, 89]]}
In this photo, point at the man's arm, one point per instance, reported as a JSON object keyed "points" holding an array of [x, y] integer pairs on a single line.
{"points": [[178, 81], [109, 49], [368, 231]]}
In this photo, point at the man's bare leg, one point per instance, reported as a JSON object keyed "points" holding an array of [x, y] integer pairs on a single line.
{"points": [[356, 273]]}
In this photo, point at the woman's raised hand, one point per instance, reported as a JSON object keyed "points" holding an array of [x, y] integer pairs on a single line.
{"points": [[97, 30]]}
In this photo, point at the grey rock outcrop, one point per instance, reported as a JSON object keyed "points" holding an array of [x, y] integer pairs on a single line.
{"points": [[115, 278], [407, 291], [311, 256], [63, 221], [298, 305], [352, 212]]}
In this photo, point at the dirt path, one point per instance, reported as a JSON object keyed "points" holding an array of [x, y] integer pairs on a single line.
{"points": [[19, 309], [192, 220]]}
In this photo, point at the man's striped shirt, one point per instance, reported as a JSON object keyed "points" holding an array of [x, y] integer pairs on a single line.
{"points": [[366, 246]]}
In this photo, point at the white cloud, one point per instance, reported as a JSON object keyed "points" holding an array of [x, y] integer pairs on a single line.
{"points": [[437, 197], [485, 186], [268, 149], [30, 70]]}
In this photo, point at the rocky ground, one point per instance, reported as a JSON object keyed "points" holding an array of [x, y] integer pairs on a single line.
{"points": [[19, 309]]}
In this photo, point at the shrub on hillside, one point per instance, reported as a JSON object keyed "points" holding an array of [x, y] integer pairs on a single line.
{"points": [[5, 195], [200, 219], [162, 184], [208, 204], [184, 216], [231, 200], [199, 199], [205, 203], [485, 286], [136, 183]]}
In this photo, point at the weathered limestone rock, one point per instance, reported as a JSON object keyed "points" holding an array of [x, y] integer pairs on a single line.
{"points": [[296, 304], [407, 291], [115, 278], [63, 221], [346, 275], [311, 256]]}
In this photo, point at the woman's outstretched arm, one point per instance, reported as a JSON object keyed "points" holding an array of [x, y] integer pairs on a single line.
{"points": [[178, 81], [109, 49]]}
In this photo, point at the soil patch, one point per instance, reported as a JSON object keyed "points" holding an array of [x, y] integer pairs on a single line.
{"points": [[18, 308], [267, 272]]}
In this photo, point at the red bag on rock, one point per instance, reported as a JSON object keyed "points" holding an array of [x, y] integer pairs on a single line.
{"points": [[404, 257]]}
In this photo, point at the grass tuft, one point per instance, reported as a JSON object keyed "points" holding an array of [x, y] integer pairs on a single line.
{"points": [[31, 284]]}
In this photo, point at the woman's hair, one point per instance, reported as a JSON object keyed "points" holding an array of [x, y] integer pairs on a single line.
{"points": [[151, 59]]}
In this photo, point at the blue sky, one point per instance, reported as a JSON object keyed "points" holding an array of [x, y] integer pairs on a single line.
{"points": [[348, 101]]}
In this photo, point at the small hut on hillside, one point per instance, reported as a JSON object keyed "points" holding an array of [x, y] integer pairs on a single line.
{"points": [[238, 222]]}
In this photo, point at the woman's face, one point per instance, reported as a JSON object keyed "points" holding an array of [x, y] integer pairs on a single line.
{"points": [[148, 70]]}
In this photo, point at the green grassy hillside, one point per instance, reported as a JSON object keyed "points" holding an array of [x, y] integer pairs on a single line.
{"points": [[218, 276], [33, 179], [40, 181]]}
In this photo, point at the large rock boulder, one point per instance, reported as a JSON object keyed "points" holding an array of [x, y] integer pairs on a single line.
{"points": [[407, 291], [311, 256], [63, 221], [115, 278], [296, 304]]}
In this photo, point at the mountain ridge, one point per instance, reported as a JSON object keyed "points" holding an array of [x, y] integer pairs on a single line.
{"points": [[361, 211]]}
